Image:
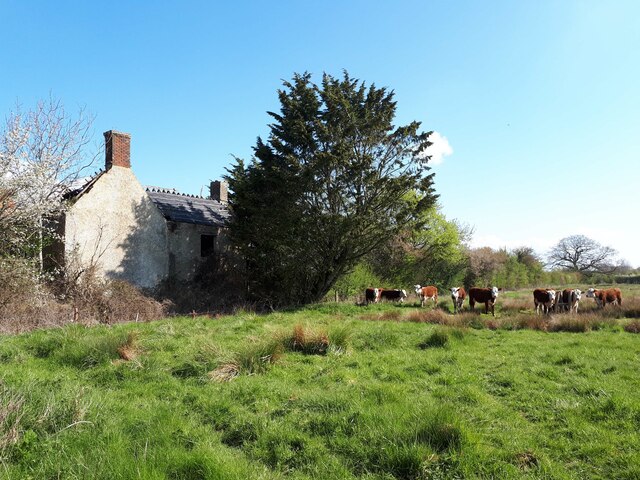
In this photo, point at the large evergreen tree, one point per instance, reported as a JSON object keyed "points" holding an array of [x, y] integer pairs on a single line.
{"points": [[327, 188]]}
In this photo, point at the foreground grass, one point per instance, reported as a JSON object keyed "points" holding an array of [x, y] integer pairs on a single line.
{"points": [[332, 391]]}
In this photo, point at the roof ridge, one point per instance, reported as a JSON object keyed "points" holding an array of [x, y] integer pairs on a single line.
{"points": [[172, 191]]}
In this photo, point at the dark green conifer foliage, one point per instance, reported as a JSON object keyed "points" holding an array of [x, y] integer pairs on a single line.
{"points": [[329, 186]]}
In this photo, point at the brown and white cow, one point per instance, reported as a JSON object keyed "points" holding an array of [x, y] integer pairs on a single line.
{"points": [[567, 300], [458, 295], [544, 299], [602, 297], [427, 293], [393, 295], [487, 296], [371, 295]]}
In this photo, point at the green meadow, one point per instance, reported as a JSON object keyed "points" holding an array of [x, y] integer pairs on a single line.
{"points": [[329, 391]]}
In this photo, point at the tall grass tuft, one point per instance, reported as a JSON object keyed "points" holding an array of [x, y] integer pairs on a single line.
{"points": [[255, 358], [389, 315], [440, 430], [129, 350], [87, 351], [307, 341], [438, 339], [11, 412], [532, 321], [437, 317], [632, 327], [339, 338], [570, 323]]}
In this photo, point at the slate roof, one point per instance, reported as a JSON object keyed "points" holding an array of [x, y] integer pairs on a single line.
{"points": [[179, 207], [81, 186]]}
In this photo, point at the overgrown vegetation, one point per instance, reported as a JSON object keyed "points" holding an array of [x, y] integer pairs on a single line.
{"points": [[29, 300]]}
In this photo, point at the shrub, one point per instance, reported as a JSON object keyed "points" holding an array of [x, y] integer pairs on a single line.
{"points": [[438, 339]]}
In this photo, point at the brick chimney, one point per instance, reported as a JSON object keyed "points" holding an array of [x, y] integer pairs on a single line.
{"points": [[117, 149], [218, 191]]}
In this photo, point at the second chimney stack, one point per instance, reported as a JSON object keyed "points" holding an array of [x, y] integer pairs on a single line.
{"points": [[218, 191]]}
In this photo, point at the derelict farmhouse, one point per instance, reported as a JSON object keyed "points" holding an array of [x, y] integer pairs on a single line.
{"points": [[139, 234]]}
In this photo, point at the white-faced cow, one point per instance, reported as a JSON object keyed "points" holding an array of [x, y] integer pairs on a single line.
{"points": [[544, 299], [371, 295], [487, 296], [458, 295], [427, 293], [570, 299], [393, 295], [602, 297]]}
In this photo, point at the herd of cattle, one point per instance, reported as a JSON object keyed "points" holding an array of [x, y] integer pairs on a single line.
{"points": [[546, 300]]}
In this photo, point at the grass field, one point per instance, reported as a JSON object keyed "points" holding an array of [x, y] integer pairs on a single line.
{"points": [[331, 391]]}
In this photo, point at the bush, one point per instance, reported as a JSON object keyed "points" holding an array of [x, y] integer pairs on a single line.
{"points": [[29, 300], [354, 283]]}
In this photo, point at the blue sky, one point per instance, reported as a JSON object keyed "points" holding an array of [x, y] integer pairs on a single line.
{"points": [[538, 102]]}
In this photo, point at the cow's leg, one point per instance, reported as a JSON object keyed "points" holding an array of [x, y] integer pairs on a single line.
{"points": [[472, 304]]}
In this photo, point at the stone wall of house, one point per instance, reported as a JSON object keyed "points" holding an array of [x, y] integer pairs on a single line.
{"points": [[115, 226], [185, 248]]}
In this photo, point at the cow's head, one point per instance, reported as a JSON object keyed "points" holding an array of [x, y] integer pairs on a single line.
{"points": [[577, 294], [591, 293], [552, 295], [403, 294], [418, 289], [494, 292], [455, 292]]}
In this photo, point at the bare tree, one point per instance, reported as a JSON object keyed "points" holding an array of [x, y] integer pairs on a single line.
{"points": [[582, 254], [42, 154]]}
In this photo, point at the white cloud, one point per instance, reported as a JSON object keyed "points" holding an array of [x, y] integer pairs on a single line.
{"points": [[439, 149]]}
